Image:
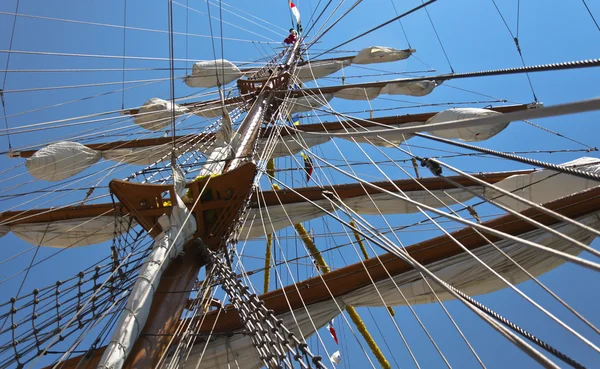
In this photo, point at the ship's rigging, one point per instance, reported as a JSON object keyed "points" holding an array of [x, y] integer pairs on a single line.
{"points": [[182, 210]]}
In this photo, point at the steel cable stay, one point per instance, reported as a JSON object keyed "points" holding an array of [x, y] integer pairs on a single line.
{"points": [[505, 208], [271, 143], [422, 276], [355, 214], [517, 45], [431, 339], [320, 33], [129, 27], [591, 14], [534, 354], [250, 21], [408, 304], [269, 40]]}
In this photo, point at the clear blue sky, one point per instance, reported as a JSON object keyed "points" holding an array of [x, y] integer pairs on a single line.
{"points": [[474, 37]]}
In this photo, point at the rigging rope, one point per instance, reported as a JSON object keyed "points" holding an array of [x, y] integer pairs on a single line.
{"points": [[439, 40], [516, 40], [400, 22], [360, 325], [273, 342], [591, 15], [567, 359], [270, 170], [138, 28], [171, 74], [124, 53], [539, 163], [378, 27], [318, 37], [590, 148], [12, 36], [363, 249]]}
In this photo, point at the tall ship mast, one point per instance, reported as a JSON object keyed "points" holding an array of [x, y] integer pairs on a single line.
{"points": [[265, 185]]}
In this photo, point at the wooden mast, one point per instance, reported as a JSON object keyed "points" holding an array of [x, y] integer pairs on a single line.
{"points": [[227, 196]]}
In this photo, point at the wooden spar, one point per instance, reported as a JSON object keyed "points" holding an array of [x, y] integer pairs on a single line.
{"points": [[355, 276], [314, 127], [375, 122], [220, 200], [145, 142], [345, 191]]}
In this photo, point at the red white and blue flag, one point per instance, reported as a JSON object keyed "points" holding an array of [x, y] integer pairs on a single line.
{"points": [[332, 331], [295, 11]]}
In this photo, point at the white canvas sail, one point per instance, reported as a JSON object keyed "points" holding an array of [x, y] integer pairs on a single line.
{"points": [[539, 187], [461, 271]]}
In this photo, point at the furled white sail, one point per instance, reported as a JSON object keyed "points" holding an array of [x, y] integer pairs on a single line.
{"points": [[177, 230], [65, 159], [474, 133], [156, 114], [370, 55], [381, 54], [410, 88], [320, 69], [551, 188], [61, 160], [461, 271], [72, 232], [293, 144], [358, 93], [546, 185], [225, 146], [211, 73]]}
